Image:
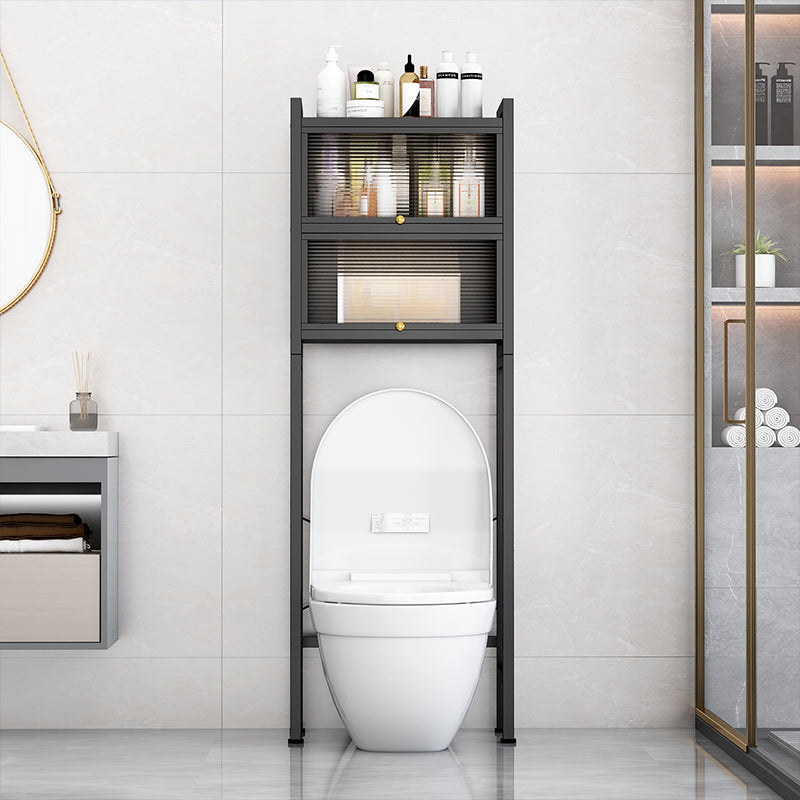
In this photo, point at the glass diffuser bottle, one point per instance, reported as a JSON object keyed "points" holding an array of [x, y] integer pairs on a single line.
{"points": [[82, 410]]}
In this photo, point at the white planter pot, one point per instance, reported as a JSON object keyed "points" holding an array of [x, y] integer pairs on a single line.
{"points": [[765, 270]]}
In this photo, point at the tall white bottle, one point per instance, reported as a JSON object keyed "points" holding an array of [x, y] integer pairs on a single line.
{"points": [[471, 87], [446, 95], [332, 87], [386, 83]]}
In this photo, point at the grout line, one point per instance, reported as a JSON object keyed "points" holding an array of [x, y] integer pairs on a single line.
{"points": [[222, 381]]}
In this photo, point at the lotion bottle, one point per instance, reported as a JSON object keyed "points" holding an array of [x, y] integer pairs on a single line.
{"points": [[427, 92], [409, 91], [331, 87], [386, 88], [447, 86], [471, 87], [762, 93], [782, 105], [468, 184]]}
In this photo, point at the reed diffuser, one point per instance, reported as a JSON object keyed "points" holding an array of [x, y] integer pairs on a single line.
{"points": [[83, 410]]}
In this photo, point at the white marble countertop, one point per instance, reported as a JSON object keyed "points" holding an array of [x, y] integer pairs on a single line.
{"points": [[59, 444]]}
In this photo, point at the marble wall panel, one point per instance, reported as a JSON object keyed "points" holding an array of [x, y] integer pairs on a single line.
{"points": [[117, 85]]}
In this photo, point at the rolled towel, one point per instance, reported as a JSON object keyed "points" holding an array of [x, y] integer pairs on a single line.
{"points": [[76, 545], [25, 531], [740, 413], [40, 519], [789, 436], [776, 417], [733, 436], [765, 437], [765, 398]]}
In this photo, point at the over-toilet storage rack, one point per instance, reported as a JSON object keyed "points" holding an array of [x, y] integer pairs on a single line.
{"points": [[476, 253]]}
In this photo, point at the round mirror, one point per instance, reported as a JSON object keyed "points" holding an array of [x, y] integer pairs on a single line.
{"points": [[27, 217]]}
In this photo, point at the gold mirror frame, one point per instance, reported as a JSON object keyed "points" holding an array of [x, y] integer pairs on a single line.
{"points": [[54, 209]]}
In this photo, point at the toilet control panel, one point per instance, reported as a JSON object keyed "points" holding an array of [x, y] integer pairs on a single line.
{"points": [[401, 522]]}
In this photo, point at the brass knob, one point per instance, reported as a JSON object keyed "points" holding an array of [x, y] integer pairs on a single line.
{"points": [[400, 219], [400, 326]]}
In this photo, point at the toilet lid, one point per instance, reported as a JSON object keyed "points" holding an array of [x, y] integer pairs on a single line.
{"points": [[402, 593]]}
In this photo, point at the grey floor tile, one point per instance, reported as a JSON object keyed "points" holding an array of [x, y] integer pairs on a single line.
{"points": [[568, 764]]}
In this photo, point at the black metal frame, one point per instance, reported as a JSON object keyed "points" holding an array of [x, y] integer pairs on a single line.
{"points": [[501, 334]]}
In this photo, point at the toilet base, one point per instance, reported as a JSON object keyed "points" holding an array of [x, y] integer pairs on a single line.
{"points": [[402, 694]]}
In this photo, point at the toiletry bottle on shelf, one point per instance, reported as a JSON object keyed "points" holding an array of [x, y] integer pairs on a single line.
{"points": [[762, 96], [368, 202], [782, 105], [331, 87], [471, 87], [447, 86], [401, 170], [366, 87], [409, 91], [468, 183], [434, 191], [386, 191], [386, 88], [426, 93]]}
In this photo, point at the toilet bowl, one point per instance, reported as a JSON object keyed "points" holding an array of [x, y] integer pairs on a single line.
{"points": [[400, 559]]}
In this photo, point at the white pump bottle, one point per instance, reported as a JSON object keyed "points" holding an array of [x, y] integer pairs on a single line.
{"points": [[332, 87]]}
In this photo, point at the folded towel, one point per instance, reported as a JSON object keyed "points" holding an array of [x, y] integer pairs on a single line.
{"points": [[76, 545], [40, 519], [24, 531], [776, 417], [789, 436], [765, 398], [740, 413], [765, 437], [733, 436]]}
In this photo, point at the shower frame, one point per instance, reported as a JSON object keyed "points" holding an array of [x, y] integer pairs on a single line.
{"points": [[498, 228]]}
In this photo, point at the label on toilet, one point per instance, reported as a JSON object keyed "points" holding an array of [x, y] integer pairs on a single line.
{"points": [[401, 522]]}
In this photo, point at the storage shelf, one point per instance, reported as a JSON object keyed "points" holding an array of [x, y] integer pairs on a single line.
{"points": [[413, 332], [423, 227], [766, 155], [762, 7], [731, 295]]}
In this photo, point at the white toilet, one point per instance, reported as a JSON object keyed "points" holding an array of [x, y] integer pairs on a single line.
{"points": [[400, 567]]}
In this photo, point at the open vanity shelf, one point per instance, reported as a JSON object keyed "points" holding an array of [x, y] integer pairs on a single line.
{"points": [[368, 271], [60, 600]]}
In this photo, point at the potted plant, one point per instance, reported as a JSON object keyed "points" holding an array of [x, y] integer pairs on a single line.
{"points": [[766, 250]]}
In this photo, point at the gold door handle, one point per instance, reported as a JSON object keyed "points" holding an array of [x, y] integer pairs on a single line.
{"points": [[399, 219], [725, 371]]}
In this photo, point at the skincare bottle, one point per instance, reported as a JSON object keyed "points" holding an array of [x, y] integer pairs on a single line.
{"points": [[409, 91], [468, 183], [434, 191], [386, 88], [426, 93], [331, 87], [782, 105], [386, 191], [762, 129], [402, 172], [447, 86], [368, 202], [471, 87], [366, 87]]}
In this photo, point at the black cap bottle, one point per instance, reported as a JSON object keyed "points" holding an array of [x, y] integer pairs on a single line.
{"points": [[782, 105], [409, 91], [762, 129]]}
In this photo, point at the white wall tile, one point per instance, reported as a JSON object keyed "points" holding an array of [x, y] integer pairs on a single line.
{"points": [[118, 85], [255, 552], [255, 693], [604, 692], [134, 277], [256, 294], [110, 693], [604, 297], [604, 519]]}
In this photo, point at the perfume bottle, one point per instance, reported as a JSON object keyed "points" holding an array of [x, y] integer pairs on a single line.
{"points": [[368, 200], [427, 91]]}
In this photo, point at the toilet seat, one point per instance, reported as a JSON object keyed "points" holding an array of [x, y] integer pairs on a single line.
{"points": [[402, 593]]}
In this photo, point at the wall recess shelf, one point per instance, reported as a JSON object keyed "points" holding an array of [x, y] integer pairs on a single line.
{"points": [[329, 239], [61, 600]]}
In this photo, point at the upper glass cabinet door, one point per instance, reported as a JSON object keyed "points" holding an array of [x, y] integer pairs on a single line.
{"points": [[415, 175]]}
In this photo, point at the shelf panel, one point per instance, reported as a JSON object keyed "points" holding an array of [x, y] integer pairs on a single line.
{"points": [[387, 333], [766, 155], [730, 295], [455, 227], [388, 125], [762, 7]]}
